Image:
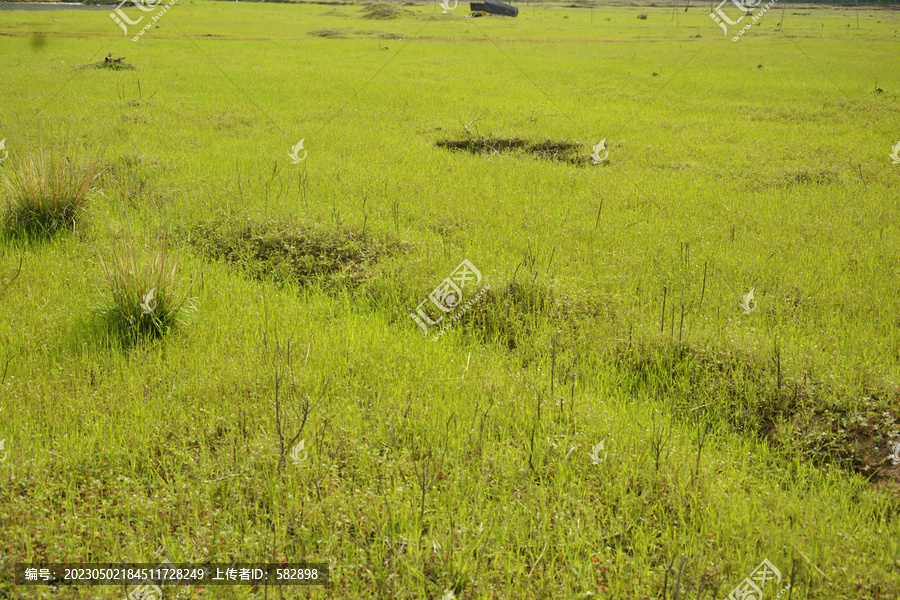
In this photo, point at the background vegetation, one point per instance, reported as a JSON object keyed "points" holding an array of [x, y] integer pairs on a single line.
{"points": [[614, 312]]}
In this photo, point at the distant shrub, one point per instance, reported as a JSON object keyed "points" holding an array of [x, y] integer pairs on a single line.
{"points": [[283, 252], [45, 194], [642, 16], [145, 299]]}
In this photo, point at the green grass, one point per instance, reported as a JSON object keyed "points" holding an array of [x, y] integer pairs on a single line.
{"points": [[613, 313], [143, 286], [46, 194]]}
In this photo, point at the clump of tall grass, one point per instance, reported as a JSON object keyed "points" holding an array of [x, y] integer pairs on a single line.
{"points": [[146, 301], [45, 194]]}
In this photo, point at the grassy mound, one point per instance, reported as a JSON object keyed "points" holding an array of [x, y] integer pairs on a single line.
{"points": [[383, 10], [146, 301], [47, 193], [289, 253]]}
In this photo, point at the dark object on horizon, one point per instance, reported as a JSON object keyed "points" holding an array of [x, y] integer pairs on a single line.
{"points": [[494, 7]]}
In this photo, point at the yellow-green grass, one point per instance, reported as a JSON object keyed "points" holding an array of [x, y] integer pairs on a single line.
{"points": [[762, 163], [46, 193], [145, 299]]}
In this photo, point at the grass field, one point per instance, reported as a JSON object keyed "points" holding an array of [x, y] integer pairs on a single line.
{"points": [[286, 407]]}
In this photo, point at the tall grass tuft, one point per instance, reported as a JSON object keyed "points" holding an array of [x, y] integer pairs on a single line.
{"points": [[145, 298], [46, 194]]}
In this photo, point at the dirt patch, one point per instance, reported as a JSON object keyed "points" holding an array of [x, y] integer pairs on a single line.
{"points": [[346, 32], [569, 152], [384, 11], [329, 33], [860, 439], [804, 417], [483, 145], [288, 253], [115, 64], [820, 177]]}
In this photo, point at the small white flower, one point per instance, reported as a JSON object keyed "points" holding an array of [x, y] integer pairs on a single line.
{"points": [[895, 155], [2, 444], [745, 303], [601, 147], [298, 453], [894, 456], [595, 453], [149, 303], [448, 595]]}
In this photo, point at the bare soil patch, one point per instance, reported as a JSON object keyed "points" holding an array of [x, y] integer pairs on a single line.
{"points": [[564, 151]]}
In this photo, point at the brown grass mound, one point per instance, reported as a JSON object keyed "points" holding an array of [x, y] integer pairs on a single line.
{"points": [[382, 10], [282, 252], [328, 33], [116, 64], [564, 151]]}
